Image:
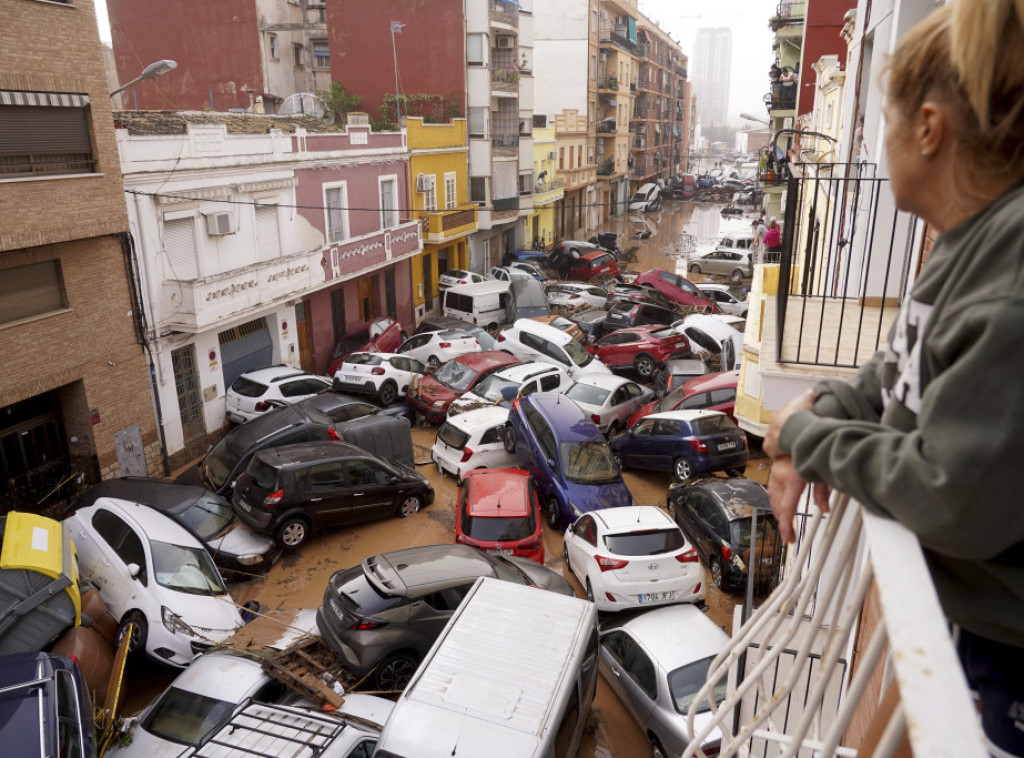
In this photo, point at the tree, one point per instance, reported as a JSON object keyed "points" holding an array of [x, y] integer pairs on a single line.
{"points": [[338, 102]]}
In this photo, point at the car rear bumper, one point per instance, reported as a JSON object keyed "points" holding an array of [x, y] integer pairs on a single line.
{"points": [[720, 461], [688, 588], [355, 388], [254, 517], [345, 653]]}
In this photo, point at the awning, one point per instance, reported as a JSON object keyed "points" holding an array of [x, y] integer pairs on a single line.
{"points": [[609, 100], [51, 99]]}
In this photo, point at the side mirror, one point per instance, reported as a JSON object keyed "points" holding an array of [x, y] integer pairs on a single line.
{"points": [[394, 480], [133, 569], [551, 463]]}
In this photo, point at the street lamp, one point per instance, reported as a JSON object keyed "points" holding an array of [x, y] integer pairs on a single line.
{"points": [[152, 71], [758, 119]]}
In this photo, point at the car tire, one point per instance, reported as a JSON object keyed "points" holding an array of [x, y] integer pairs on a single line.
{"points": [[388, 393], [718, 573], [432, 363], [590, 592], [552, 513], [736, 276], [565, 556], [139, 633], [694, 268], [645, 365], [682, 469], [734, 472], [394, 672], [409, 506], [657, 751], [508, 439], [292, 532]]}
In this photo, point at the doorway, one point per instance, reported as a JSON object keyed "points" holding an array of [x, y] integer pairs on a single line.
{"points": [[428, 284]]}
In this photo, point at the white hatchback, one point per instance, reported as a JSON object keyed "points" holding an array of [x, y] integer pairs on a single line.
{"points": [[252, 393], [571, 294], [153, 574], [473, 440], [729, 299], [608, 400], [455, 276], [523, 379], [435, 348], [529, 340], [632, 557], [386, 376], [709, 336]]}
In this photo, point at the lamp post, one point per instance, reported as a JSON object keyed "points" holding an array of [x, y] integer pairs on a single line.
{"points": [[151, 71]]}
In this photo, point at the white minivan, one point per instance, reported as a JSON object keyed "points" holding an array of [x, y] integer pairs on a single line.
{"points": [[481, 303], [491, 686]]}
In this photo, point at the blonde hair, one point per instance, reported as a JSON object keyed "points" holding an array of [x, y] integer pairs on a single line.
{"points": [[968, 54]]}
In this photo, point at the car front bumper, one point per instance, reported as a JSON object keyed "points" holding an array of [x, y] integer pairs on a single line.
{"points": [[432, 413]]}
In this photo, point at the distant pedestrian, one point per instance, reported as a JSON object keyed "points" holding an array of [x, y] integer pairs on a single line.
{"points": [[773, 242]]}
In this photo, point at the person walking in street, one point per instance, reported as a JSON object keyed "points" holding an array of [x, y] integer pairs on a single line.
{"points": [[930, 430]]}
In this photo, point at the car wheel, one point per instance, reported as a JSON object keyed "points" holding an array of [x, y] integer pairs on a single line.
{"points": [[410, 505], [645, 365], [509, 440], [682, 469], [292, 532], [590, 592], [718, 572], [694, 268], [565, 556], [657, 751], [552, 513], [433, 362], [736, 276], [388, 393], [139, 632], [735, 472], [394, 672]]}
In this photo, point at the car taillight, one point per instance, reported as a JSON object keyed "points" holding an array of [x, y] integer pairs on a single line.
{"points": [[690, 556], [574, 297], [334, 434], [515, 403], [611, 597], [697, 445], [610, 564], [462, 281], [365, 624], [466, 454], [501, 338], [262, 406], [634, 311], [377, 371], [726, 553], [273, 498], [445, 345], [595, 418]]}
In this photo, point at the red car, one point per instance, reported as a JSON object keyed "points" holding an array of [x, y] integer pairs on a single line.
{"points": [[383, 335], [593, 264], [499, 513], [432, 395], [642, 348], [712, 392], [676, 288]]}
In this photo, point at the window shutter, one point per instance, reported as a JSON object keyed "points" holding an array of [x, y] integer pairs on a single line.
{"points": [[180, 247], [268, 240]]}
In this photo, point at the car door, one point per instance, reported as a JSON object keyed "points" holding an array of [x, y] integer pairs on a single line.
{"points": [[294, 390], [371, 492], [705, 515], [491, 449], [429, 613], [117, 545], [416, 346], [664, 443], [633, 675], [325, 494], [544, 455], [582, 546], [405, 370], [637, 448], [631, 397]]}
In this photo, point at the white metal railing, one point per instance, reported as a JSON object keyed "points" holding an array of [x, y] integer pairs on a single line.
{"points": [[805, 706]]}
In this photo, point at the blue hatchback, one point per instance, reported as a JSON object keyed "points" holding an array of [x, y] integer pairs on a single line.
{"points": [[684, 442], [571, 464]]}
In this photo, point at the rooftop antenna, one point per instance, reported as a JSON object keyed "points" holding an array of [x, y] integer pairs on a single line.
{"points": [[396, 27]]}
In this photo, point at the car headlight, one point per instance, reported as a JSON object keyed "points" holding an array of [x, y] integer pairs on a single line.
{"points": [[250, 560], [174, 623], [439, 403]]}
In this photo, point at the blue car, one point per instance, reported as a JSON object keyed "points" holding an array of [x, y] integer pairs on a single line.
{"points": [[684, 442], [524, 256], [570, 462]]}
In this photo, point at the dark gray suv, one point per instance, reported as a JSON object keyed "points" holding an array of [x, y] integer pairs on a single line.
{"points": [[387, 611]]}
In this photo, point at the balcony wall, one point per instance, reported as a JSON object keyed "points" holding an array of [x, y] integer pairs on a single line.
{"points": [[442, 226]]}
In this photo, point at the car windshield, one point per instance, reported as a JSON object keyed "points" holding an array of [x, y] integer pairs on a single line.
{"points": [[491, 387], [664, 334], [351, 342], [456, 376], [588, 463], [363, 359], [737, 294], [456, 273], [208, 516], [185, 717], [686, 681], [577, 353], [185, 569], [587, 394], [671, 400], [220, 462], [647, 542]]}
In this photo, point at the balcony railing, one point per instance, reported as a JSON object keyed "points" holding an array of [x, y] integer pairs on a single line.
{"points": [[606, 167], [782, 97], [505, 203], [439, 226], [790, 692], [505, 140], [505, 12], [503, 75], [845, 264], [788, 13], [616, 35], [43, 164]]}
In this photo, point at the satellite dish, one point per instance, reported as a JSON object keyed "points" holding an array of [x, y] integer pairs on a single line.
{"points": [[301, 103]]}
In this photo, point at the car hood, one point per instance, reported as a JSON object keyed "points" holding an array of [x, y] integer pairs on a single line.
{"points": [[429, 389], [239, 540], [542, 576], [644, 410], [592, 497], [212, 617], [146, 745]]}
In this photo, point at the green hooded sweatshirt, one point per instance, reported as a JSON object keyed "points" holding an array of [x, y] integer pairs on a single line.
{"points": [[931, 431]]}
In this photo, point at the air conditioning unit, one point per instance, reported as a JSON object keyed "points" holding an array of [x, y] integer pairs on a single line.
{"points": [[506, 42], [218, 224], [424, 182], [552, 155]]}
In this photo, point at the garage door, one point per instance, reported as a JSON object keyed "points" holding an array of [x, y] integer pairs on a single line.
{"points": [[245, 348]]}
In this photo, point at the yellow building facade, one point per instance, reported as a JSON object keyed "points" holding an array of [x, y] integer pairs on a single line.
{"points": [[548, 188], [439, 189]]}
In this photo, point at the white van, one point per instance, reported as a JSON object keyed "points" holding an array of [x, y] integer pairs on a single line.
{"points": [[647, 198], [492, 687], [481, 303]]}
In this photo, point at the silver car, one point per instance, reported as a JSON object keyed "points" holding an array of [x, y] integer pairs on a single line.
{"points": [[735, 264], [656, 663]]}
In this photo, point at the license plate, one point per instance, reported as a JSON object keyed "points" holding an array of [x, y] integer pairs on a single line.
{"points": [[245, 506], [727, 446], [653, 597], [236, 418], [500, 551], [350, 378]]}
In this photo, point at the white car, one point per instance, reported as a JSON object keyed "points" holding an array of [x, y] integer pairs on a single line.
{"points": [[455, 276], [523, 379], [577, 293], [528, 268], [728, 299], [734, 264], [711, 339], [153, 574], [608, 400], [435, 348], [386, 376], [472, 440], [251, 393], [632, 557], [507, 274], [529, 340]]}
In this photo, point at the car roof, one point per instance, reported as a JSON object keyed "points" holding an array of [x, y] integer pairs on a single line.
{"points": [[685, 415], [523, 371], [382, 356], [564, 416], [308, 453], [480, 288], [594, 253], [329, 401], [593, 314], [427, 568], [165, 495], [497, 493], [486, 359], [268, 424], [221, 675], [604, 381], [686, 366], [632, 518], [548, 332], [273, 374], [738, 496], [479, 417], [151, 521], [713, 326], [676, 635], [716, 381]]}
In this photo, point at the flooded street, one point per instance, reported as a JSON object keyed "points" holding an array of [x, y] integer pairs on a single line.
{"points": [[300, 578]]}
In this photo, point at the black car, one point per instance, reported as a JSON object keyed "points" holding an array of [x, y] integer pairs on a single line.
{"points": [[627, 314], [282, 426], [590, 322], [340, 407], [208, 516], [445, 323], [715, 515], [291, 490]]}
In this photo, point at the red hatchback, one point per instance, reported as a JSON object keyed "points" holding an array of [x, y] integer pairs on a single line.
{"points": [[593, 264], [499, 513], [676, 288], [433, 395], [642, 348], [383, 335], [712, 392]]}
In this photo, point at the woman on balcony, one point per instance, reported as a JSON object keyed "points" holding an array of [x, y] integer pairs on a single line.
{"points": [[930, 431]]}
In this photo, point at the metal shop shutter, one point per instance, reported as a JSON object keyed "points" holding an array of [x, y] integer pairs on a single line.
{"points": [[245, 348]]}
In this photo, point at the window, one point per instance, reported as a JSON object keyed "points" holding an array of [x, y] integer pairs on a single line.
{"points": [[475, 49], [365, 473], [478, 189], [268, 236], [429, 193], [336, 211], [180, 249], [390, 294], [477, 121], [44, 134], [388, 203], [29, 291], [273, 47], [593, 67], [297, 54], [69, 735], [326, 476], [321, 55], [450, 198]]}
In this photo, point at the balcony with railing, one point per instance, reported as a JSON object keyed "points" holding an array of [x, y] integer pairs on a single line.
{"points": [[504, 12], [789, 15], [606, 167], [616, 37], [505, 78], [505, 144], [607, 82], [548, 191], [441, 226], [607, 127], [782, 97]]}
